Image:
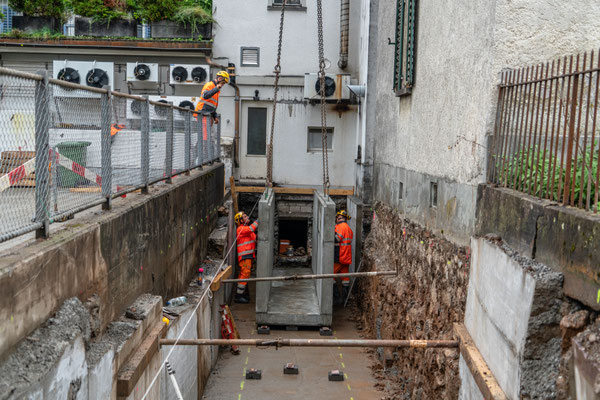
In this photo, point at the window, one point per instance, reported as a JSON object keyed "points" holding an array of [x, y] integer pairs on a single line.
{"points": [[315, 139], [404, 46], [250, 56], [433, 194], [257, 131], [290, 5]]}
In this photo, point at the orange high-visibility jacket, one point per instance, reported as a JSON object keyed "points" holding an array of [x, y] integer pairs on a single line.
{"points": [[209, 98], [343, 243], [246, 241]]}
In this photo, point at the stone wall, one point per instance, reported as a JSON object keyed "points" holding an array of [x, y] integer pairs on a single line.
{"points": [[423, 302]]}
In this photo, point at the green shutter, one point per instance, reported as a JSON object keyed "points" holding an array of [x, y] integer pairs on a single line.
{"points": [[404, 46]]}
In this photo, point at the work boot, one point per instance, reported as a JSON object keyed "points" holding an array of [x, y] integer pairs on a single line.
{"points": [[240, 298]]}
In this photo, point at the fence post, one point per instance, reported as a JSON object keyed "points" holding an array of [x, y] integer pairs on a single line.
{"points": [[571, 140], [200, 139], [105, 141], [209, 143], [169, 145], [218, 145], [145, 145], [42, 153], [187, 141]]}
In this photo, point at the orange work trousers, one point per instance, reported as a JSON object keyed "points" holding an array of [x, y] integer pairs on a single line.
{"points": [[245, 271], [342, 269]]}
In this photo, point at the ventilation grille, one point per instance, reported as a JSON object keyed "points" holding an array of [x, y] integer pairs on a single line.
{"points": [[250, 56]]}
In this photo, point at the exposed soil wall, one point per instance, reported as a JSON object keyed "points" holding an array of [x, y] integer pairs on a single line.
{"points": [[423, 302]]}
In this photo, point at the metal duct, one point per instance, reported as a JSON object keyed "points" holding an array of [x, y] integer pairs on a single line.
{"points": [[344, 31]]}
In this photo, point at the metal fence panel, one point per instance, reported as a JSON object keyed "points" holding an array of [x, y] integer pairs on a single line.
{"points": [[546, 139], [126, 142]]}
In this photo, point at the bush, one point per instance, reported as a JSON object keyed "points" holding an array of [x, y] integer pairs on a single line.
{"points": [[40, 8], [157, 10], [104, 10]]}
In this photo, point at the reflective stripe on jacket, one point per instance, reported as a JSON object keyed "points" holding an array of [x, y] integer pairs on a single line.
{"points": [[343, 243], [246, 241], [209, 98]]}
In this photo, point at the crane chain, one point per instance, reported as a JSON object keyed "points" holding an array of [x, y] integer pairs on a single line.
{"points": [[277, 71], [322, 93]]}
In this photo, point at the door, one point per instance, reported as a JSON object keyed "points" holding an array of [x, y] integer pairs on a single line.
{"points": [[256, 123]]}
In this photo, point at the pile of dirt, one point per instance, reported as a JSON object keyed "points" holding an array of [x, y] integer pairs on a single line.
{"points": [[422, 302]]}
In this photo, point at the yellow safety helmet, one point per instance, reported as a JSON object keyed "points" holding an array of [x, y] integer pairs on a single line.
{"points": [[344, 214], [224, 75], [238, 218]]}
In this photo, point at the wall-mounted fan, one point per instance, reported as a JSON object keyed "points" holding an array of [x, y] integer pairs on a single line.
{"points": [[179, 74], [97, 78], [142, 72], [329, 86], [186, 104], [160, 110], [199, 74], [69, 75], [136, 107]]}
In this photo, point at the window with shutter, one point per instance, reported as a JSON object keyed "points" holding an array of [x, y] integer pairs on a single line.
{"points": [[250, 57], [404, 46]]}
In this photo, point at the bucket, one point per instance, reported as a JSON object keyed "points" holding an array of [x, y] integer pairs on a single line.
{"points": [[283, 246], [74, 151]]}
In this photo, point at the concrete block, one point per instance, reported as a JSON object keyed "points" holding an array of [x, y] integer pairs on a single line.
{"points": [[513, 304], [265, 246]]}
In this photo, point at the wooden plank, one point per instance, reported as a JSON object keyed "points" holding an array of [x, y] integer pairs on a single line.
{"points": [[487, 383], [234, 195], [132, 370], [216, 283], [85, 190], [293, 190]]}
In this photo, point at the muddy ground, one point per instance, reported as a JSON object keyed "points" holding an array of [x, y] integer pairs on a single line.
{"points": [[423, 302]]}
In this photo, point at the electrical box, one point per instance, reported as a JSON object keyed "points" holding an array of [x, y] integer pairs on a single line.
{"points": [[336, 87], [187, 74]]}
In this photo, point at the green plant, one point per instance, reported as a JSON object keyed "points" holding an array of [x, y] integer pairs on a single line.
{"points": [[40, 8], [193, 16], [543, 174], [157, 10], [104, 10]]}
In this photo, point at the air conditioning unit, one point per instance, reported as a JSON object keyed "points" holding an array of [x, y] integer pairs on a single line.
{"points": [[184, 102], [336, 87], [134, 107], [87, 73], [185, 74], [142, 75]]}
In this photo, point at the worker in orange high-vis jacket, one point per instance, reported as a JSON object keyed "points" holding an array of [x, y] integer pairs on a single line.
{"points": [[246, 250], [209, 101], [342, 255]]}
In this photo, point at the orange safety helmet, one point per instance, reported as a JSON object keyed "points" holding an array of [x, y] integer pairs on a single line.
{"points": [[344, 214]]}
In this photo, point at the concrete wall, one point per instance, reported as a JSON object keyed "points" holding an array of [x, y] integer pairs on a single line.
{"points": [[265, 246], [147, 243], [513, 313], [322, 251], [441, 129]]}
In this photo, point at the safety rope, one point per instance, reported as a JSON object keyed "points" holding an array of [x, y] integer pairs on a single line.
{"points": [[277, 71], [322, 93]]}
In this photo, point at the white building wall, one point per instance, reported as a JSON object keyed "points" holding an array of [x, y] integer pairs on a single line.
{"points": [[252, 24]]}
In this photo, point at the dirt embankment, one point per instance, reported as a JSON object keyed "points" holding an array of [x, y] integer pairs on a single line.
{"points": [[423, 302]]}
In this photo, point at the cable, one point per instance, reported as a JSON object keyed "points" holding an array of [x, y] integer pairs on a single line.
{"points": [[162, 365]]}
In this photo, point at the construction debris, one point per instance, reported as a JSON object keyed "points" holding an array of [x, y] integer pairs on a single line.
{"points": [[254, 373], [290, 369], [336, 375], [325, 331], [263, 330]]}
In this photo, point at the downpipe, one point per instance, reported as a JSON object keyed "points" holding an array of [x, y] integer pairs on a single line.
{"points": [[344, 33]]}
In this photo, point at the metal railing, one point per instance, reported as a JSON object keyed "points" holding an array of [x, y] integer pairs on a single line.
{"points": [[66, 147], [546, 140]]}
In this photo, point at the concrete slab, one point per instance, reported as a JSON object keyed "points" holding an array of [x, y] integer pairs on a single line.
{"points": [[228, 378]]}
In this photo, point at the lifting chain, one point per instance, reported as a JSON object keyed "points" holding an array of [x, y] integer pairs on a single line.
{"points": [[322, 93], [277, 71]]}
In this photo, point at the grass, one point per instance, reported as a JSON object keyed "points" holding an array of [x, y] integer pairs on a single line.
{"points": [[519, 172], [47, 34]]}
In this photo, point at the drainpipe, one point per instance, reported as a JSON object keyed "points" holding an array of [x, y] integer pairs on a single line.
{"points": [[236, 137], [344, 30]]}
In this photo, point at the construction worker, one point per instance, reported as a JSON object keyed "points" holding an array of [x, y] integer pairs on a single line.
{"points": [[209, 99], [342, 255], [246, 250]]}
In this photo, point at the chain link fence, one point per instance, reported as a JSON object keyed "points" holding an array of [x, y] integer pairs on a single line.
{"points": [[66, 147]]}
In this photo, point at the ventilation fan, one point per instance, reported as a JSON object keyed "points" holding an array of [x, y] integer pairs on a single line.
{"points": [[329, 86], [142, 72], [160, 110], [179, 74], [198, 74], [97, 78], [186, 104], [69, 75], [136, 107]]}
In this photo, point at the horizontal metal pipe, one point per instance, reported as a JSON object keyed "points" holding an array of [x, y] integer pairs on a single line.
{"points": [[72, 85], [20, 74], [279, 342], [319, 276]]}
